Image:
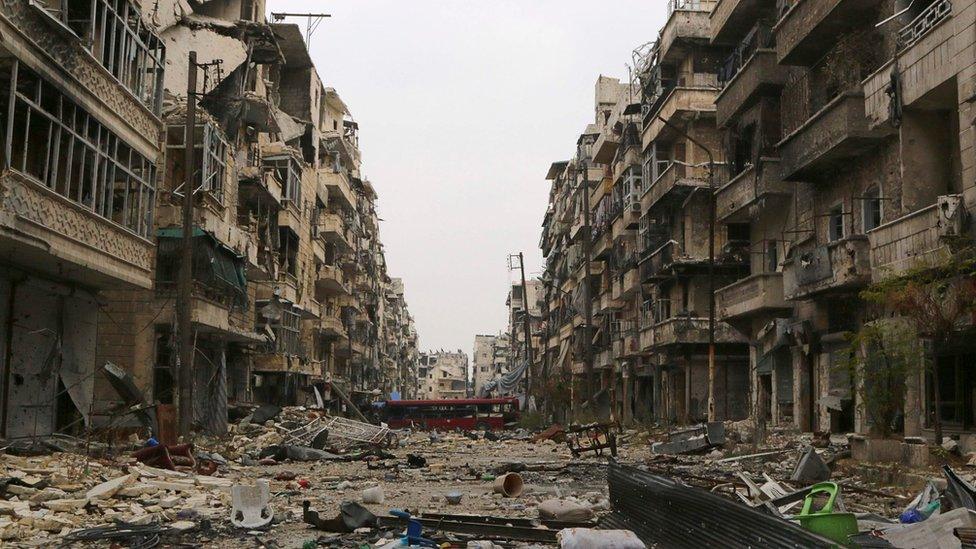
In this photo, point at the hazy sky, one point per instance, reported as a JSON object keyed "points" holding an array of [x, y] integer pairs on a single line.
{"points": [[462, 106]]}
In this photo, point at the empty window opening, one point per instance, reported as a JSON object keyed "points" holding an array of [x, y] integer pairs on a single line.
{"points": [[835, 218], [58, 144], [871, 209], [209, 159]]}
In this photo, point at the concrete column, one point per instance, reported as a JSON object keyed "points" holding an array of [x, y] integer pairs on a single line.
{"points": [[801, 390]]}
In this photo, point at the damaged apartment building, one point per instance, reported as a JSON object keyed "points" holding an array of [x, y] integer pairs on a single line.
{"points": [[834, 140], [290, 289]]}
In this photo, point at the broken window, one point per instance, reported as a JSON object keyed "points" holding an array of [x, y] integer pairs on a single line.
{"points": [[115, 34], [57, 143], [957, 383], [287, 340], [835, 219], [871, 209], [164, 382], [772, 256], [288, 172], [288, 251], [209, 158]]}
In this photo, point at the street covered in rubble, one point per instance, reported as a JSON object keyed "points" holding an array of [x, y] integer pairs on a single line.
{"points": [[287, 482]]}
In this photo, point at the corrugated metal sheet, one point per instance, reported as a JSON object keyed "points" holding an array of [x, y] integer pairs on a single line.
{"points": [[666, 513]]}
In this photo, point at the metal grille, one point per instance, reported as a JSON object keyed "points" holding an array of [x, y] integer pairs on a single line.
{"points": [[911, 33]]}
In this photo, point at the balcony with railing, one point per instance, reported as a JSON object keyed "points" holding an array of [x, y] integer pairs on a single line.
{"points": [[760, 188], [336, 182], [730, 20], [842, 265], [330, 322], [333, 228], [691, 97], [928, 48], [687, 22], [657, 266], [754, 295], [917, 240], [689, 330], [809, 28], [330, 280], [821, 126], [679, 180], [748, 73]]}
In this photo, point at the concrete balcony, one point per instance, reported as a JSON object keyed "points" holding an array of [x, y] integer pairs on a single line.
{"points": [[630, 282], [330, 281], [731, 19], [836, 132], [928, 56], [758, 76], [337, 185], [917, 240], [687, 25], [605, 146], [675, 183], [682, 103], [331, 326], [739, 200], [810, 28], [646, 339], [46, 232], [282, 364], [755, 295], [332, 228], [692, 331], [842, 265]]}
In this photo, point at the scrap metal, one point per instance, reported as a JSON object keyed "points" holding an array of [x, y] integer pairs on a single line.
{"points": [[666, 513]]}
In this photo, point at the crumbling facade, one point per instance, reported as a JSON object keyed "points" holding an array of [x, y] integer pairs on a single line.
{"points": [[491, 360], [290, 288], [442, 375], [832, 144]]}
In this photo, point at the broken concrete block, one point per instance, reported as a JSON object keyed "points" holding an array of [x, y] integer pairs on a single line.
{"points": [[173, 485], [810, 468], [169, 502], [65, 505], [48, 494], [108, 489], [250, 505], [20, 509], [564, 510], [693, 444]]}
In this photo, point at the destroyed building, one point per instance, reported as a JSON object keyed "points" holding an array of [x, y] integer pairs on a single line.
{"points": [[442, 374], [490, 360], [836, 141], [290, 287]]}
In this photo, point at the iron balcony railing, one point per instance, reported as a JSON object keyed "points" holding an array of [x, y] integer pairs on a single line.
{"points": [[929, 18], [760, 37]]}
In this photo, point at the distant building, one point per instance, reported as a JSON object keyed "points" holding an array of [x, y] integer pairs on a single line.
{"points": [[491, 354], [442, 374]]}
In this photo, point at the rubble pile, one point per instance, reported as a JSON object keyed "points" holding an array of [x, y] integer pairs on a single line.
{"points": [[279, 474]]}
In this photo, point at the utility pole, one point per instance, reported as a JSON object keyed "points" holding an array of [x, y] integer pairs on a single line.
{"points": [[712, 416], [587, 300], [527, 327], [184, 291]]}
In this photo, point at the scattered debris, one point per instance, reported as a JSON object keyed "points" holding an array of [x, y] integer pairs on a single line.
{"points": [[810, 468], [586, 538], [594, 437], [694, 439]]}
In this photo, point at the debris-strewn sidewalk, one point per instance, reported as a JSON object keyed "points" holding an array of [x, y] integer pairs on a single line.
{"points": [[281, 478]]}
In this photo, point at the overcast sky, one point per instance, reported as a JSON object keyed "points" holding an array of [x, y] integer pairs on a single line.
{"points": [[462, 106]]}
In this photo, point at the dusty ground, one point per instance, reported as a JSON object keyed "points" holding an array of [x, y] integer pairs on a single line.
{"points": [[51, 494]]}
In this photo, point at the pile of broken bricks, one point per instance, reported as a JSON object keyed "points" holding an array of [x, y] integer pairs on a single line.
{"points": [[52, 495]]}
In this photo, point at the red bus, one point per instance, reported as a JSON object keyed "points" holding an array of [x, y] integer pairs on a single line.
{"points": [[481, 414]]}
